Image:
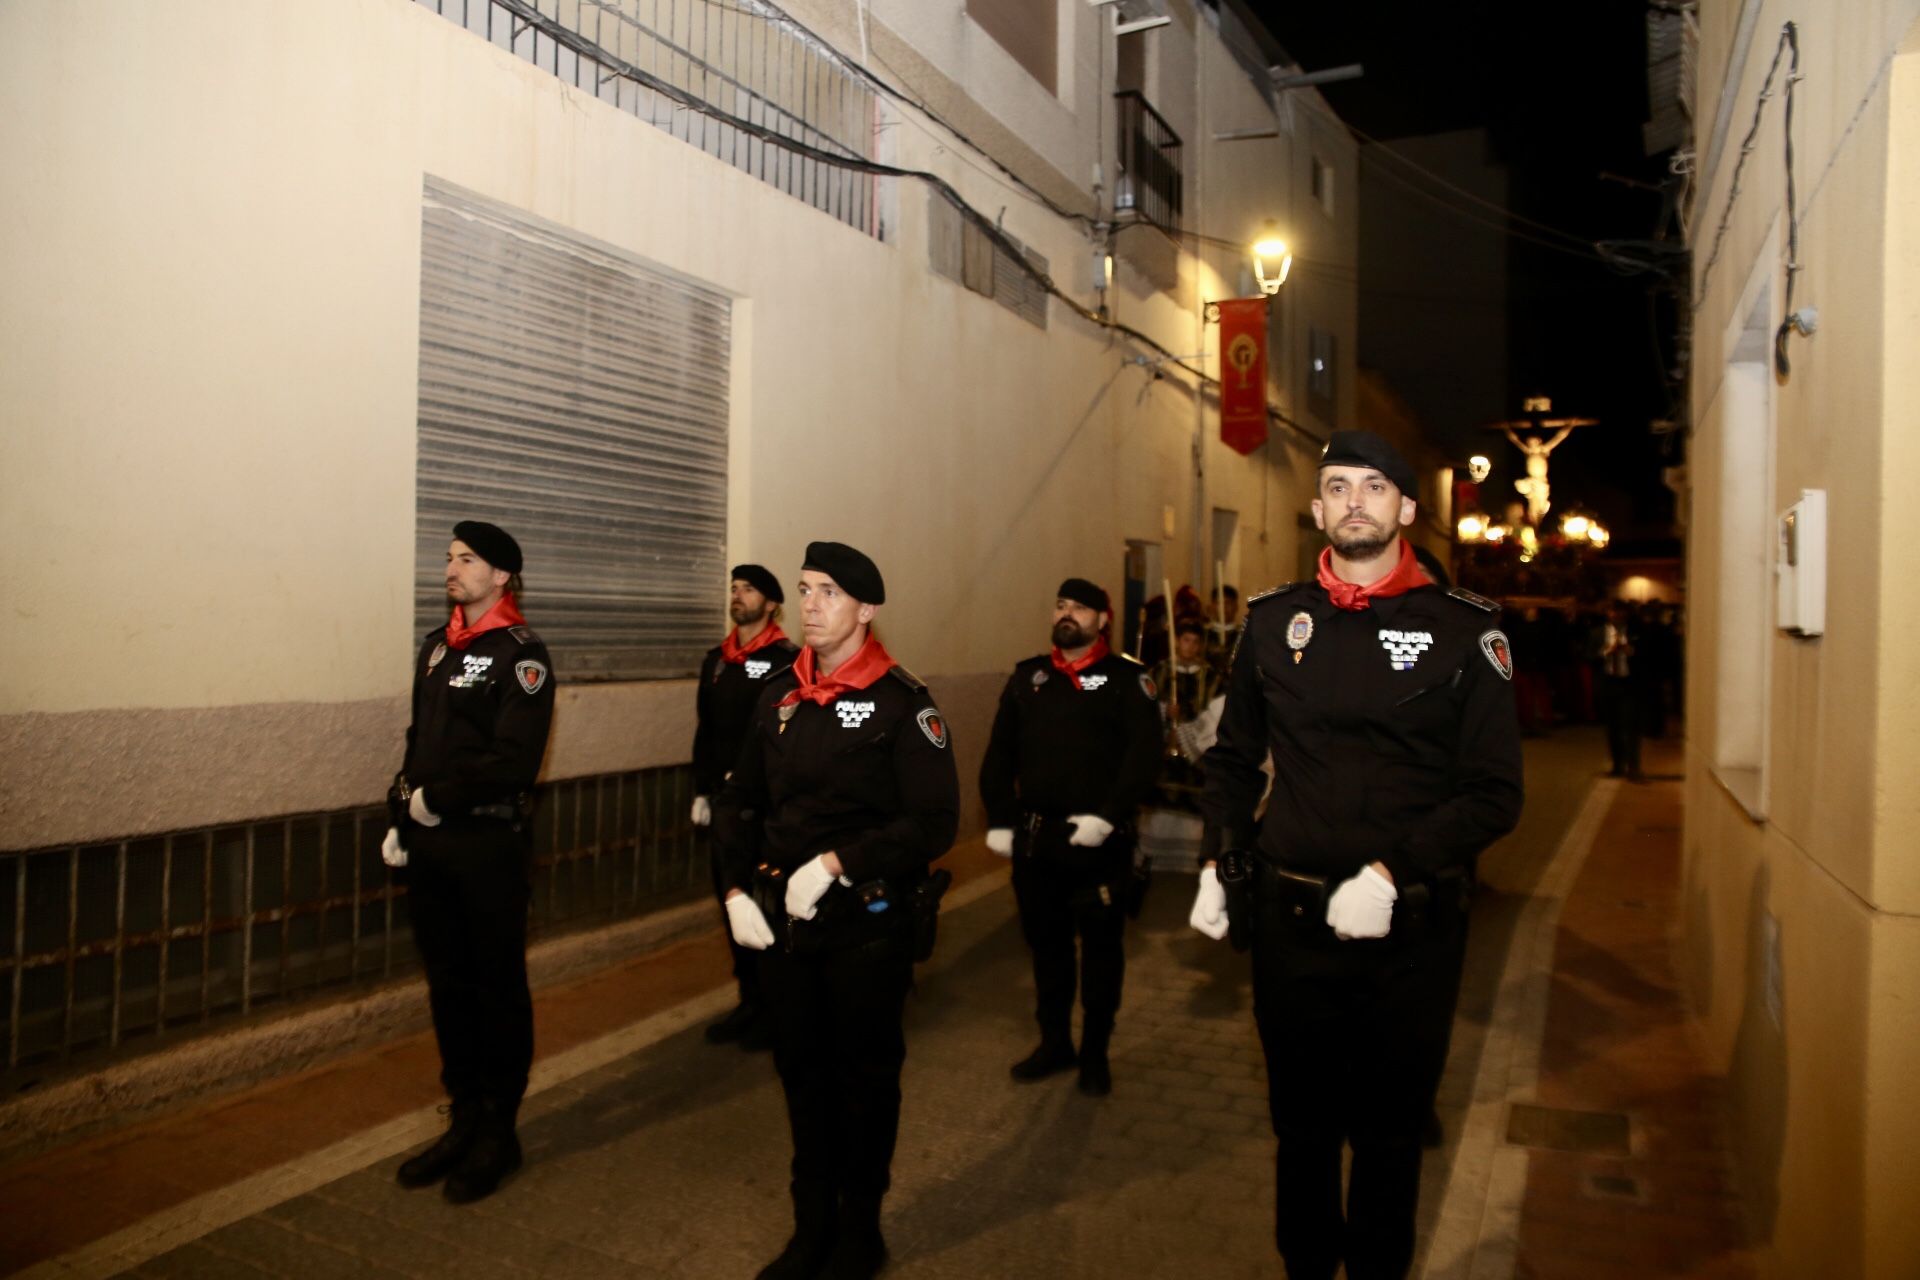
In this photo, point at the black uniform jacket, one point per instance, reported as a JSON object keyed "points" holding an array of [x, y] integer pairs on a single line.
{"points": [[869, 777], [1394, 736], [724, 706], [480, 718], [1057, 750]]}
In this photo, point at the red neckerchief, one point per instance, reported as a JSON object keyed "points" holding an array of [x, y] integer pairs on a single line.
{"points": [[505, 613], [868, 664], [733, 651], [1347, 595], [1072, 670]]}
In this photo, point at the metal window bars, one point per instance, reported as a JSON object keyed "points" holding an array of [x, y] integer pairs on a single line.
{"points": [[745, 58], [1147, 180], [118, 944]]}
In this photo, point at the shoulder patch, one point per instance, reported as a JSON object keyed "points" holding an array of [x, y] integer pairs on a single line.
{"points": [[1499, 652], [1274, 592], [531, 675], [523, 634], [907, 677], [1480, 602], [934, 725]]}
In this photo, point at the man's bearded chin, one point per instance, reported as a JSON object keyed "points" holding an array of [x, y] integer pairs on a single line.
{"points": [[744, 614], [1358, 546], [1068, 635]]}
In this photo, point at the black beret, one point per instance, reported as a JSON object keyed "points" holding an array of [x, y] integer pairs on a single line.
{"points": [[1080, 591], [491, 543], [1365, 449], [757, 577], [856, 575]]}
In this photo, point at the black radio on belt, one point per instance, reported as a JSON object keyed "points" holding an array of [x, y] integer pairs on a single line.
{"points": [[1235, 870]]}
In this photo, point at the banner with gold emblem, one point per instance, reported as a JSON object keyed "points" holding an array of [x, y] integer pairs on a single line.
{"points": [[1243, 373]]}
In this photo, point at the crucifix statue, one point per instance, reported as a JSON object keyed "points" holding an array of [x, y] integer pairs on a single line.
{"points": [[1533, 487]]}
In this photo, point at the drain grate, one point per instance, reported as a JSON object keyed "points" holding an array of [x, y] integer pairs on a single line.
{"points": [[1559, 1129]]}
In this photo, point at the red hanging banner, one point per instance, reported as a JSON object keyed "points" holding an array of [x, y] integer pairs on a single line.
{"points": [[1243, 373]]}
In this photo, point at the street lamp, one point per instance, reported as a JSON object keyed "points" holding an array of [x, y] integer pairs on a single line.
{"points": [[1271, 259]]}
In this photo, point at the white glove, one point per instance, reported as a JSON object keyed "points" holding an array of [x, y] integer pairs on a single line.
{"points": [[806, 887], [1363, 906], [750, 928], [390, 851], [1210, 906], [1090, 830], [1000, 841], [702, 811], [418, 811]]}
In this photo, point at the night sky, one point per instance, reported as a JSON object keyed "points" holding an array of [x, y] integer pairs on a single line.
{"points": [[1561, 89]]}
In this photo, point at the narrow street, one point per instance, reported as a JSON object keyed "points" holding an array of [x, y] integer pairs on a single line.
{"points": [[651, 1153]]}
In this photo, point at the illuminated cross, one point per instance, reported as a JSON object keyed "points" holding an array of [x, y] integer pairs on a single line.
{"points": [[1534, 487]]}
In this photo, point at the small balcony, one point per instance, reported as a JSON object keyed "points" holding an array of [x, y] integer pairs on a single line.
{"points": [[1148, 180]]}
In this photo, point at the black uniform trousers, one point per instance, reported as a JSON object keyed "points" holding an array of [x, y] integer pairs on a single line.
{"points": [[838, 1046], [467, 893], [1057, 888], [746, 963], [1355, 1035], [1620, 703]]}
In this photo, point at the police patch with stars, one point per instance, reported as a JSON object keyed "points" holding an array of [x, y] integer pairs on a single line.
{"points": [[1089, 683], [1405, 647], [853, 714]]}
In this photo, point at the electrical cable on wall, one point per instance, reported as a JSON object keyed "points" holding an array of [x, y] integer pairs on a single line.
{"points": [[586, 48], [1804, 320]]}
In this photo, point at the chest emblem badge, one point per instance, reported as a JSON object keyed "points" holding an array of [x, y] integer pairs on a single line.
{"points": [[757, 667], [433, 659], [853, 714], [530, 674], [473, 671], [1089, 683], [1299, 631], [1405, 647], [1039, 678], [1499, 653]]}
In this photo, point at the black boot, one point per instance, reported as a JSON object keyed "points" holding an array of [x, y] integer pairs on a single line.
{"points": [[735, 1026], [1096, 1079], [1054, 1054], [445, 1155], [859, 1250], [495, 1153], [813, 1229]]}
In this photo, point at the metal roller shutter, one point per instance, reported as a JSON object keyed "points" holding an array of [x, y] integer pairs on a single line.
{"points": [[577, 398]]}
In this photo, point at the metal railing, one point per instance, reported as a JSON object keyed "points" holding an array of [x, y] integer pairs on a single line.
{"points": [[126, 942], [1147, 181], [742, 58]]}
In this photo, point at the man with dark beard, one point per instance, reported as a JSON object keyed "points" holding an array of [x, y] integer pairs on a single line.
{"points": [[1387, 706], [482, 704], [1074, 751], [731, 678]]}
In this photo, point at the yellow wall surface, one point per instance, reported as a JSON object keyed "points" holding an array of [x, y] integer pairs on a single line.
{"points": [[207, 476], [1798, 936]]}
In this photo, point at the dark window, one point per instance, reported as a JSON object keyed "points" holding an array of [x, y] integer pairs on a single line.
{"points": [[1027, 29]]}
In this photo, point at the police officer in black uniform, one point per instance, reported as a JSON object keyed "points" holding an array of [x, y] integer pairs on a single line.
{"points": [[1075, 750], [731, 678], [482, 703], [1388, 708], [843, 793]]}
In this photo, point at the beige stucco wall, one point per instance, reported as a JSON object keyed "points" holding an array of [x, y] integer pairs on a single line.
{"points": [[1821, 1044], [207, 472]]}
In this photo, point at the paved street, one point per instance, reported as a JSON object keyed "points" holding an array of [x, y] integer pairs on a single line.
{"points": [[651, 1153]]}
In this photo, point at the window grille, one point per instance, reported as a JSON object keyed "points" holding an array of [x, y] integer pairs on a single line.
{"points": [[959, 250], [577, 398]]}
